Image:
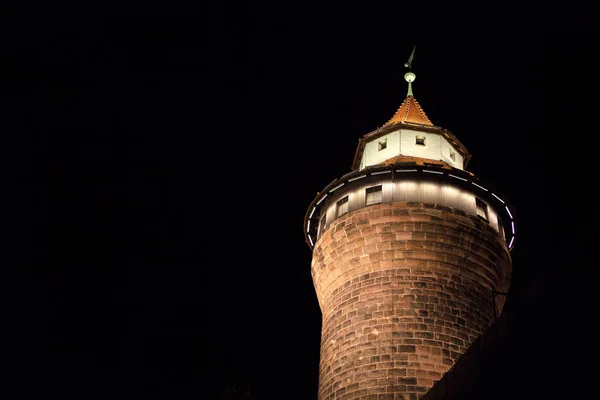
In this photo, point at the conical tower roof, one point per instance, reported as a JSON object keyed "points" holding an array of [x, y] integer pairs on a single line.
{"points": [[410, 110]]}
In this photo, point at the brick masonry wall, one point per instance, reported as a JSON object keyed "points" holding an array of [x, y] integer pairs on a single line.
{"points": [[404, 289]]}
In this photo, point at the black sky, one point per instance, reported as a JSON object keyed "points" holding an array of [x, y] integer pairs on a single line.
{"points": [[168, 162]]}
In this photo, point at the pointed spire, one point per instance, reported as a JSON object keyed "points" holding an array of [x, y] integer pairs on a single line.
{"points": [[410, 110]]}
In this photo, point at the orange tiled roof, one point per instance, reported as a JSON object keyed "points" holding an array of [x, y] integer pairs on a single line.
{"points": [[417, 160], [410, 111]]}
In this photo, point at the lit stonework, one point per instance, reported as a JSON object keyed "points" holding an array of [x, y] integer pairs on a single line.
{"points": [[408, 249]]}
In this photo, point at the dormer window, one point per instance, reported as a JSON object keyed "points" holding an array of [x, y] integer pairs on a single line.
{"points": [[382, 144], [420, 140]]}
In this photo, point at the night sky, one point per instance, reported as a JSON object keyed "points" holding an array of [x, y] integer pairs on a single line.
{"points": [[167, 164]]}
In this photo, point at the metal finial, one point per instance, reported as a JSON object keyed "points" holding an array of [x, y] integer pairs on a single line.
{"points": [[410, 59], [410, 76]]}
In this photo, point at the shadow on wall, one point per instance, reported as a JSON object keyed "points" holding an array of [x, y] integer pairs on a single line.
{"points": [[472, 368], [519, 356]]}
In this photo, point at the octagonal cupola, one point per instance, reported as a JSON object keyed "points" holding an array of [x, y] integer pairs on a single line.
{"points": [[410, 137]]}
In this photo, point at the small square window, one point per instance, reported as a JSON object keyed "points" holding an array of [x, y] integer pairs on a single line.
{"points": [[453, 155], [374, 195], [382, 144], [482, 210], [342, 206], [420, 140]]}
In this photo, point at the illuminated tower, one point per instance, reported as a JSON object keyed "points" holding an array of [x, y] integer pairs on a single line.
{"points": [[409, 249]]}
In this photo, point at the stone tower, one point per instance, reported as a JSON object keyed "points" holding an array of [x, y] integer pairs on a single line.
{"points": [[409, 250]]}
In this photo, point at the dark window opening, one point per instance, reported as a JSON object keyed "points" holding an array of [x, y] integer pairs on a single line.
{"points": [[482, 210], [342, 206], [382, 144], [374, 195], [420, 140]]}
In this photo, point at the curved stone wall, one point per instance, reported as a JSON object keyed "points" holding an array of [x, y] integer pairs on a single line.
{"points": [[404, 289]]}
